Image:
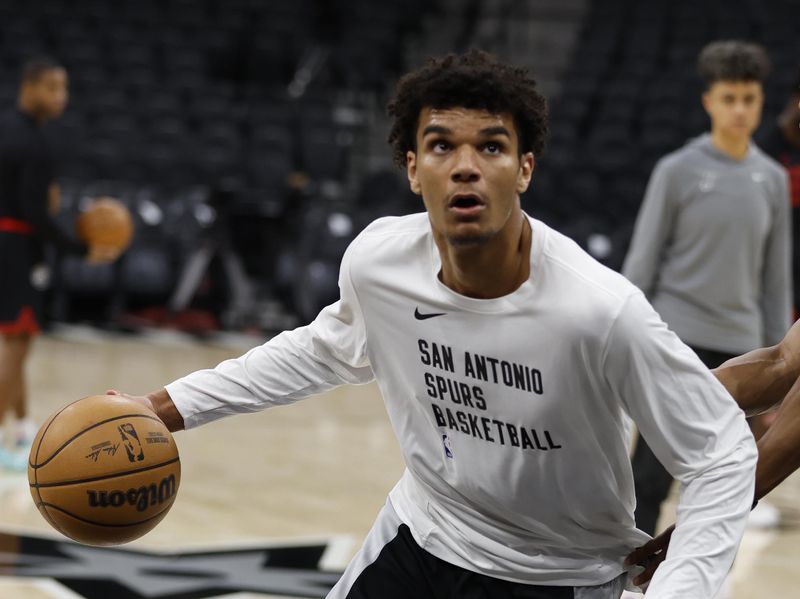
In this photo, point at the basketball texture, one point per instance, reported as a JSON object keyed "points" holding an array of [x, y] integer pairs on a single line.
{"points": [[106, 222], [104, 470]]}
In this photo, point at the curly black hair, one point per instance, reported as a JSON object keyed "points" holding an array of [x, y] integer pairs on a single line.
{"points": [[733, 60], [473, 80]]}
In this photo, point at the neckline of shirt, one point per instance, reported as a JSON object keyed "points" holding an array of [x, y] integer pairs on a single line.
{"points": [[708, 145], [497, 304]]}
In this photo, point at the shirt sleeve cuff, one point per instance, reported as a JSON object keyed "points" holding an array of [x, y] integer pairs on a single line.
{"points": [[181, 398]]}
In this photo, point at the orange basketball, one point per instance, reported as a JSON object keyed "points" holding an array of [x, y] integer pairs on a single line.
{"points": [[104, 470], [106, 222]]}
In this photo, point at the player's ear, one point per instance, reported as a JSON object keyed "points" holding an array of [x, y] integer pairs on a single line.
{"points": [[411, 171], [706, 100], [526, 166]]}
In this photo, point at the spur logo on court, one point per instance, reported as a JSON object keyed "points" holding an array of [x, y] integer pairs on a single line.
{"points": [[141, 498], [130, 440]]}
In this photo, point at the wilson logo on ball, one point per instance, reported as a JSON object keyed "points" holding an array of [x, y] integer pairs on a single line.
{"points": [[142, 498], [130, 441]]}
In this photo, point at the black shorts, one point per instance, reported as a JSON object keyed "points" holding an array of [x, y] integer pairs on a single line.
{"points": [[20, 302], [391, 565]]}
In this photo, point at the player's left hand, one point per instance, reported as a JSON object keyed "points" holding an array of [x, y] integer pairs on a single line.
{"points": [[649, 556]]}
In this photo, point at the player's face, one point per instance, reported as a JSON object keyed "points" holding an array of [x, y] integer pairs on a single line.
{"points": [[50, 93], [734, 107], [468, 171]]}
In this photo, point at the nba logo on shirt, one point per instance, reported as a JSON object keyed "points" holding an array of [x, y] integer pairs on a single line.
{"points": [[707, 181], [447, 450]]}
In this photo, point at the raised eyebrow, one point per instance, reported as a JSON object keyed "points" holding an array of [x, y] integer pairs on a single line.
{"points": [[487, 132], [437, 129], [492, 131]]}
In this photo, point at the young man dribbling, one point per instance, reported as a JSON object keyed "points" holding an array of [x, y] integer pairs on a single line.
{"points": [[507, 358]]}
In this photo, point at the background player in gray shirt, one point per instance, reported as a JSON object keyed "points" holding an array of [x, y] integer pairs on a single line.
{"points": [[711, 246]]}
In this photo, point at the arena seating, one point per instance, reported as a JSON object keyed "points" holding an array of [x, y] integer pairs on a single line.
{"points": [[280, 103], [631, 95], [170, 95]]}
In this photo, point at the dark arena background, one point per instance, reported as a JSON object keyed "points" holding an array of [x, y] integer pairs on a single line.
{"points": [[248, 140]]}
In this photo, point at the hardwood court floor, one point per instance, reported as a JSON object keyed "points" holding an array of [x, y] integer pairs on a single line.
{"points": [[318, 469]]}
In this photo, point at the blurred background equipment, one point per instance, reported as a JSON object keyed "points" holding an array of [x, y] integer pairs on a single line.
{"points": [[107, 222]]}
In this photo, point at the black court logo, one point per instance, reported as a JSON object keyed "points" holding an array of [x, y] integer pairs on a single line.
{"points": [[130, 440], [422, 316], [270, 570]]}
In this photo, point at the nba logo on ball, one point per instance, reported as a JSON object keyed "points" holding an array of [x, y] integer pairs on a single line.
{"points": [[131, 442]]}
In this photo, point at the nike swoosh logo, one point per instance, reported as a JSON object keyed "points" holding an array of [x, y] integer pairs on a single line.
{"points": [[420, 316]]}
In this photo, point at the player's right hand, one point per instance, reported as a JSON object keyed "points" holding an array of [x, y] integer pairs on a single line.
{"points": [[140, 399], [160, 403]]}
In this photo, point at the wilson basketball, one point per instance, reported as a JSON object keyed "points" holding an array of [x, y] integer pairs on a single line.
{"points": [[106, 222], [104, 470]]}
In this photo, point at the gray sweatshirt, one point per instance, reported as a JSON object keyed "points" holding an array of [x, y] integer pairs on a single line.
{"points": [[712, 247]]}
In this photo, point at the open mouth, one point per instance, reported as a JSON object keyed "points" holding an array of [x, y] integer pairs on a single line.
{"points": [[466, 202]]}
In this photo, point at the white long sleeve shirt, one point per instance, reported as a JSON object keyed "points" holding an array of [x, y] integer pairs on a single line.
{"points": [[509, 411]]}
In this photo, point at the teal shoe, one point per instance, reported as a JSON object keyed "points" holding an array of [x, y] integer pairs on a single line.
{"points": [[16, 460]]}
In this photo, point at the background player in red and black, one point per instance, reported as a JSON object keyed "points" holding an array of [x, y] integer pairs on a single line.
{"points": [[782, 142], [28, 198]]}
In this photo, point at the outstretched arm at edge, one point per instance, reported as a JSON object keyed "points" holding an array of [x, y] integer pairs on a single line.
{"points": [[328, 352], [760, 379]]}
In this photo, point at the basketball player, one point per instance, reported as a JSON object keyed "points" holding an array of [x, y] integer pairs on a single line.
{"points": [[28, 196], [712, 243], [781, 140], [506, 357], [764, 379]]}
